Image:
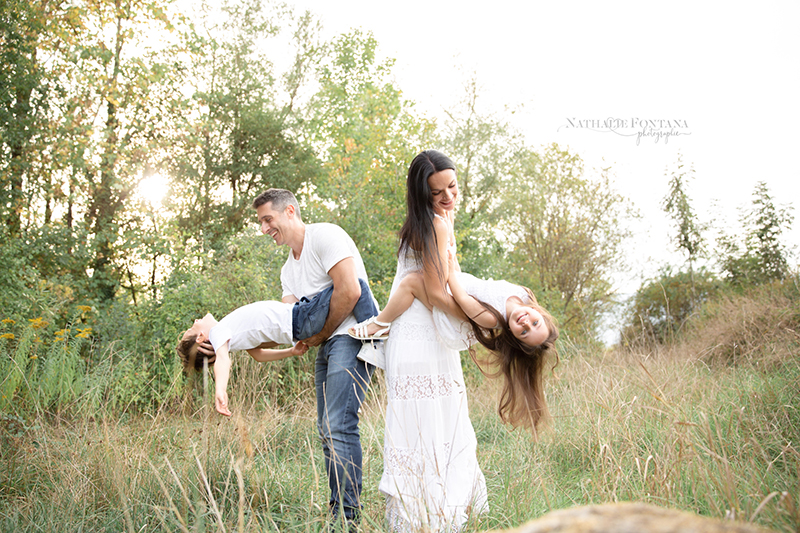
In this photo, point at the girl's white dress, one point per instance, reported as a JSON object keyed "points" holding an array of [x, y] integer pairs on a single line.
{"points": [[431, 476], [457, 334]]}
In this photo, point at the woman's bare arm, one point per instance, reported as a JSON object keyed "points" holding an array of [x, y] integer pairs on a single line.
{"points": [[471, 307], [435, 273]]}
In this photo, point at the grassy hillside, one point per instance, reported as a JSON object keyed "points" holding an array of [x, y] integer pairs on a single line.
{"points": [[709, 424]]}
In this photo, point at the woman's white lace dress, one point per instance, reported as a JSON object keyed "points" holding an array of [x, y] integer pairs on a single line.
{"points": [[431, 476]]}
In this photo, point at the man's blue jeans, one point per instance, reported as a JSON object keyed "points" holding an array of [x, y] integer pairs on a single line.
{"points": [[309, 316], [341, 382]]}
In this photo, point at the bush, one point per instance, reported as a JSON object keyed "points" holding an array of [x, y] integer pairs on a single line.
{"points": [[56, 355], [662, 306], [758, 325]]}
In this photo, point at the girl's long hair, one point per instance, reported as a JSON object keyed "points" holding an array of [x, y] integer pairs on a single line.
{"points": [[522, 400], [190, 356], [417, 230]]}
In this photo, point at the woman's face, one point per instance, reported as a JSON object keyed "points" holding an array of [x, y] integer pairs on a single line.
{"points": [[527, 325], [444, 190]]}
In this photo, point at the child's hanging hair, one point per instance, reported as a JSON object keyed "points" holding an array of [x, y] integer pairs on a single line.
{"points": [[522, 401]]}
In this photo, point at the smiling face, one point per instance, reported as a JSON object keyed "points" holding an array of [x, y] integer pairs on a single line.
{"points": [[444, 190], [274, 223], [528, 325]]}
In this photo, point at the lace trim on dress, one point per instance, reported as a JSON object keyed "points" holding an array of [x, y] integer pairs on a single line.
{"points": [[425, 387], [417, 332], [410, 462]]}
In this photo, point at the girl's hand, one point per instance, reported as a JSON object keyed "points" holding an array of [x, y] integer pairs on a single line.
{"points": [[452, 264], [221, 403], [299, 349], [451, 217]]}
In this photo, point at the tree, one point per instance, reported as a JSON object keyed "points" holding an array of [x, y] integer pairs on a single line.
{"points": [[677, 205], [687, 238], [368, 136], [486, 152], [82, 126], [662, 305], [23, 103], [762, 258], [566, 232], [243, 140]]}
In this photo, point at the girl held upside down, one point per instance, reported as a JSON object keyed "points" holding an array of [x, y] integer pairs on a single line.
{"points": [[503, 317]]}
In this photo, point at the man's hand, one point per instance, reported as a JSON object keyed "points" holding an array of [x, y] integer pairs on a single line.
{"points": [[221, 403], [315, 340]]}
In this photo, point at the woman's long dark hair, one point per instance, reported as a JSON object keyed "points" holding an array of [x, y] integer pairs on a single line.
{"points": [[522, 401], [417, 230]]}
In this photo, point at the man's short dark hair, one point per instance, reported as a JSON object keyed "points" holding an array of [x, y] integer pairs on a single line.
{"points": [[279, 198]]}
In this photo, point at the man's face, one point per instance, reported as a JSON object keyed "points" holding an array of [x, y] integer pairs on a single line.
{"points": [[273, 223]]}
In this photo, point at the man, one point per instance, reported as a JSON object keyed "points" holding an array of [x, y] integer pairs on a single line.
{"points": [[322, 255]]}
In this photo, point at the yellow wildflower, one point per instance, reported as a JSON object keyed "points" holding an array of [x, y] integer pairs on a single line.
{"points": [[7, 336], [84, 308], [37, 323], [8, 321]]}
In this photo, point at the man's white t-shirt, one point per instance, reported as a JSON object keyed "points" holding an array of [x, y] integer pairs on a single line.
{"points": [[324, 245], [252, 325]]}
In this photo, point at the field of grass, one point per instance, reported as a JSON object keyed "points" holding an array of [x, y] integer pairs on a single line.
{"points": [[721, 440]]}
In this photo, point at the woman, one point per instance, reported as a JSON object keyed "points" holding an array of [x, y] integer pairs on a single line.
{"points": [[505, 318], [431, 476]]}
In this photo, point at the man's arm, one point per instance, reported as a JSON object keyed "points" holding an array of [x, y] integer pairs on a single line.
{"points": [[346, 292]]}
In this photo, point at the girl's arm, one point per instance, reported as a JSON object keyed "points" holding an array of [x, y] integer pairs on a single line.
{"points": [[471, 307], [436, 286], [264, 355], [222, 371]]}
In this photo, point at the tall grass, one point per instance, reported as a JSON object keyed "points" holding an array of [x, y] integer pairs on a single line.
{"points": [[721, 442], [687, 426]]}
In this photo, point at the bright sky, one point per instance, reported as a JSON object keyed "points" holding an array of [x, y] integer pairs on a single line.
{"points": [[728, 72]]}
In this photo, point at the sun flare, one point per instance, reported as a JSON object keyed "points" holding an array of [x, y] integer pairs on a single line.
{"points": [[153, 189]]}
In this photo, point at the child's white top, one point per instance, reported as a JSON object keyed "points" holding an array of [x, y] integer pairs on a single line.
{"points": [[458, 334], [254, 324]]}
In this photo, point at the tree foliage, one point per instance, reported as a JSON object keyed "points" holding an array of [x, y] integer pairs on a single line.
{"points": [[677, 205], [662, 306], [243, 139], [486, 151], [761, 257], [567, 231], [367, 135]]}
